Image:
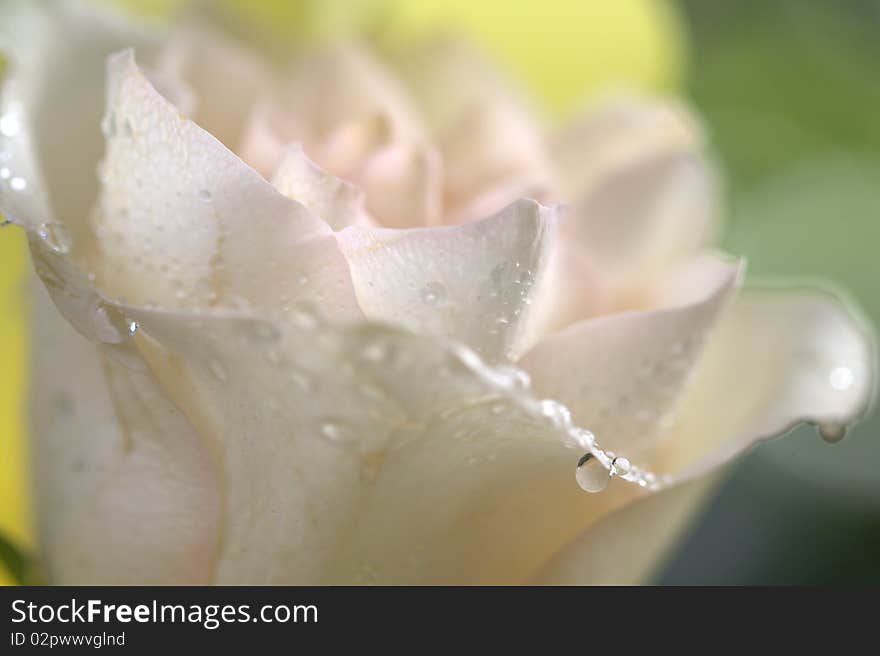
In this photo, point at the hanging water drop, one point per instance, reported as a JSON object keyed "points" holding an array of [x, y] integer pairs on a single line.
{"points": [[831, 432], [591, 475]]}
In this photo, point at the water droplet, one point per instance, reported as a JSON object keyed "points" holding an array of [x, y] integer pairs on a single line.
{"points": [[336, 432], [434, 293], [110, 326], [301, 380], [831, 432], [9, 125], [18, 184], [377, 352], [273, 356], [579, 438], [266, 331], [5, 173], [591, 475], [217, 370], [512, 377], [55, 236], [498, 409], [108, 125], [841, 378], [620, 466], [556, 413], [132, 328], [205, 196], [304, 317]]}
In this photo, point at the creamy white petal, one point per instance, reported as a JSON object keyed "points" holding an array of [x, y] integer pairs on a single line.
{"points": [[779, 356], [376, 455], [337, 202], [790, 354], [126, 490], [626, 546], [56, 52], [623, 375], [474, 282], [183, 222]]}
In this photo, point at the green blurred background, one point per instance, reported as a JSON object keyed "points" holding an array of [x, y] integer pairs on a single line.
{"points": [[790, 91]]}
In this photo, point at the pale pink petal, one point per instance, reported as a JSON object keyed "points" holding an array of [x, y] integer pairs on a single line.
{"points": [[473, 283], [337, 202], [225, 78], [642, 195], [403, 185], [182, 222]]}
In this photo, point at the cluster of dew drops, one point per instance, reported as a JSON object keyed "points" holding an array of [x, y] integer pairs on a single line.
{"points": [[594, 469]]}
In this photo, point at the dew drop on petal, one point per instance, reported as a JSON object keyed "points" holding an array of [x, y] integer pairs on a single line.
{"points": [[591, 475], [55, 236], [132, 327], [5, 173], [620, 466], [434, 293], [110, 326], [18, 184], [556, 413], [336, 432]]}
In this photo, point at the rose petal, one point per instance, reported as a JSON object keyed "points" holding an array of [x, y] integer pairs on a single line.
{"points": [[795, 354], [334, 200], [183, 222], [495, 145], [473, 283], [333, 86], [403, 185], [225, 77], [376, 455], [622, 375], [643, 198], [626, 546], [126, 490], [51, 142]]}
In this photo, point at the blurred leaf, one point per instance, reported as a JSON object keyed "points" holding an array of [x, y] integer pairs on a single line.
{"points": [[779, 81], [16, 567]]}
